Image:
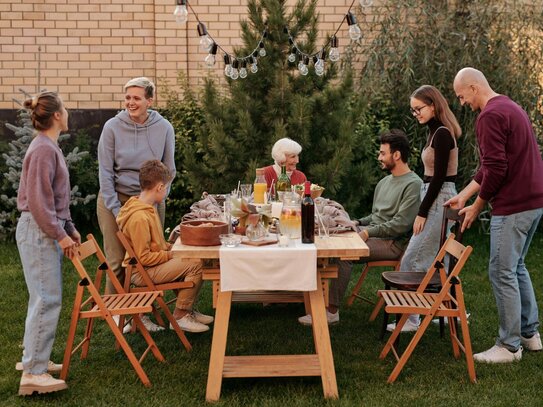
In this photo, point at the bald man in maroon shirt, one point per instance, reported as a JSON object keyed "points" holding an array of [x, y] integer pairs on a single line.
{"points": [[510, 178]]}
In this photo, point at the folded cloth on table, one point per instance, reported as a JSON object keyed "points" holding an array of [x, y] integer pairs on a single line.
{"points": [[334, 217], [206, 208]]}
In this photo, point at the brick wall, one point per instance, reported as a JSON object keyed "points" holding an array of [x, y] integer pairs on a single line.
{"points": [[90, 48]]}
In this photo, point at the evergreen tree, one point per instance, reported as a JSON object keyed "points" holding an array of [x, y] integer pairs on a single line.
{"points": [[240, 126]]}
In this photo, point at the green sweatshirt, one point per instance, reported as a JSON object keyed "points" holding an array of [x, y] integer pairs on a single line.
{"points": [[396, 203]]}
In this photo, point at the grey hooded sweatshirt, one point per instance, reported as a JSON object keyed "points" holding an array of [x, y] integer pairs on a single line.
{"points": [[124, 146]]}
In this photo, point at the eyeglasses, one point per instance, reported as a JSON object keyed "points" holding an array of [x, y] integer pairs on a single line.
{"points": [[417, 110]]}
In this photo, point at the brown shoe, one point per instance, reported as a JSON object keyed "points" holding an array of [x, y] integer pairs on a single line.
{"points": [[42, 383]]}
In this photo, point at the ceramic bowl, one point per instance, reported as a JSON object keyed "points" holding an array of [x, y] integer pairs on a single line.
{"points": [[230, 240]]}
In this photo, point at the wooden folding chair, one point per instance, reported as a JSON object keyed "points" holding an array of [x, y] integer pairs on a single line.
{"points": [[411, 280], [105, 307], [135, 265], [394, 264], [430, 306]]}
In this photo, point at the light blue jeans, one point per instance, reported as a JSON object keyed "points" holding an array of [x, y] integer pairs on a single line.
{"points": [[41, 258], [422, 248], [510, 238]]}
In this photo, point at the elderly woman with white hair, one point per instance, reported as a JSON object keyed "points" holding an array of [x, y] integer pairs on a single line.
{"points": [[285, 152], [133, 136]]}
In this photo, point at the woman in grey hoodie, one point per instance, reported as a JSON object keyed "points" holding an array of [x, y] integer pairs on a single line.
{"points": [[133, 136]]}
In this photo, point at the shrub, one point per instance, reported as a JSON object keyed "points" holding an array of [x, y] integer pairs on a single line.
{"points": [[420, 42]]}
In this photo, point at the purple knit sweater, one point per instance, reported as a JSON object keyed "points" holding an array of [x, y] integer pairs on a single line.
{"points": [[44, 189], [511, 172]]}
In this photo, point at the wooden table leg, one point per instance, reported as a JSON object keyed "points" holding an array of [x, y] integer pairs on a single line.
{"points": [[218, 346], [323, 346]]}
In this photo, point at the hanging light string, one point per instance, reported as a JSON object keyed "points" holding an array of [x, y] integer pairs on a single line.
{"points": [[301, 53], [237, 66]]}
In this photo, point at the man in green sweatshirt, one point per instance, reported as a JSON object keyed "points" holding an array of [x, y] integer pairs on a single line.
{"points": [[387, 229]]}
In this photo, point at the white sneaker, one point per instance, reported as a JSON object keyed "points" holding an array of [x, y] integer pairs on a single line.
{"points": [[408, 327], [331, 318], [532, 344], [446, 320], [498, 354], [42, 383], [127, 326], [202, 318], [150, 325], [52, 367], [189, 324]]}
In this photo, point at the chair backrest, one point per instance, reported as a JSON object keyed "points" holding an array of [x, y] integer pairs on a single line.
{"points": [[458, 253], [134, 263], [85, 251], [451, 215]]}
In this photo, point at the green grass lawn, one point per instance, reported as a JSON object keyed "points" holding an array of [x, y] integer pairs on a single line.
{"points": [[432, 377]]}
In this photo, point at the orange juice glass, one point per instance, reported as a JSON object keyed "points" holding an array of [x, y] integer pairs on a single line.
{"points": [[260, 193]]}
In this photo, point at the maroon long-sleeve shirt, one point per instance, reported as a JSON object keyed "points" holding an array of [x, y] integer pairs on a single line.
{"points": [[44, 189], [511, 171]]}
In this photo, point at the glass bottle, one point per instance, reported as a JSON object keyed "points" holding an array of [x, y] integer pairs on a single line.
{"points": [[259, 187], [283, 183], [308, 216]]}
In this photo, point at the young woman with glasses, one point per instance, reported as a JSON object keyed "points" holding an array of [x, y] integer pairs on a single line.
{"points": [[440, 159]]}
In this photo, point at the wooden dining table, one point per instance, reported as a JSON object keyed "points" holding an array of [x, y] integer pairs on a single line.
{"points": [[345, 246]]}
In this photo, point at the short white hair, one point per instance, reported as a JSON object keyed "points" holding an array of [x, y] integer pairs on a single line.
{"points": [[142, 82], [284, 147]]}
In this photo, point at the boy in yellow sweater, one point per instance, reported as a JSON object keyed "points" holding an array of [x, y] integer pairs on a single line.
{"points": [[138, 220]]}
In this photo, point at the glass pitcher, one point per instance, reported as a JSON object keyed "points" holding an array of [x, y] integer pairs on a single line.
{"points": [[291, 216]]}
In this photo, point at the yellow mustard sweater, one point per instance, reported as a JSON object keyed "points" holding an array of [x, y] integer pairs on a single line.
{"points": [[141, 225]]}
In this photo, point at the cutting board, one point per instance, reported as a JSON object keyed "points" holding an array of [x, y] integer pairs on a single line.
{"points": [[262, 242]]}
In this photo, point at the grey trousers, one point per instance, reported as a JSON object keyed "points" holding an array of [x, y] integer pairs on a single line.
{"points": [[380, 249]]}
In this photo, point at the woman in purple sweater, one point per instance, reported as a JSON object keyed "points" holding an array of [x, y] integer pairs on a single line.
{"points": [[44, 233]]}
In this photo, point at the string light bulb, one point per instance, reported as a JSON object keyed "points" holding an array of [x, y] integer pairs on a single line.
{"points": [[254, 66], [262, 50], [181, 13], [354, 29], [292, 55], [235, 73], [334, 51], [318, 63], [243, 70], [227, 65], [205, 40], [302, 66], [365, 3], [210, 58]]}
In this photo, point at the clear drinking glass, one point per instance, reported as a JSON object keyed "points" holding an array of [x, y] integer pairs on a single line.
{"points": [[246, 190]]}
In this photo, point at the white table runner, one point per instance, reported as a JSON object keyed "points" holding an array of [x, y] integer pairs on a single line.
{"points": [[249, 268]]}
